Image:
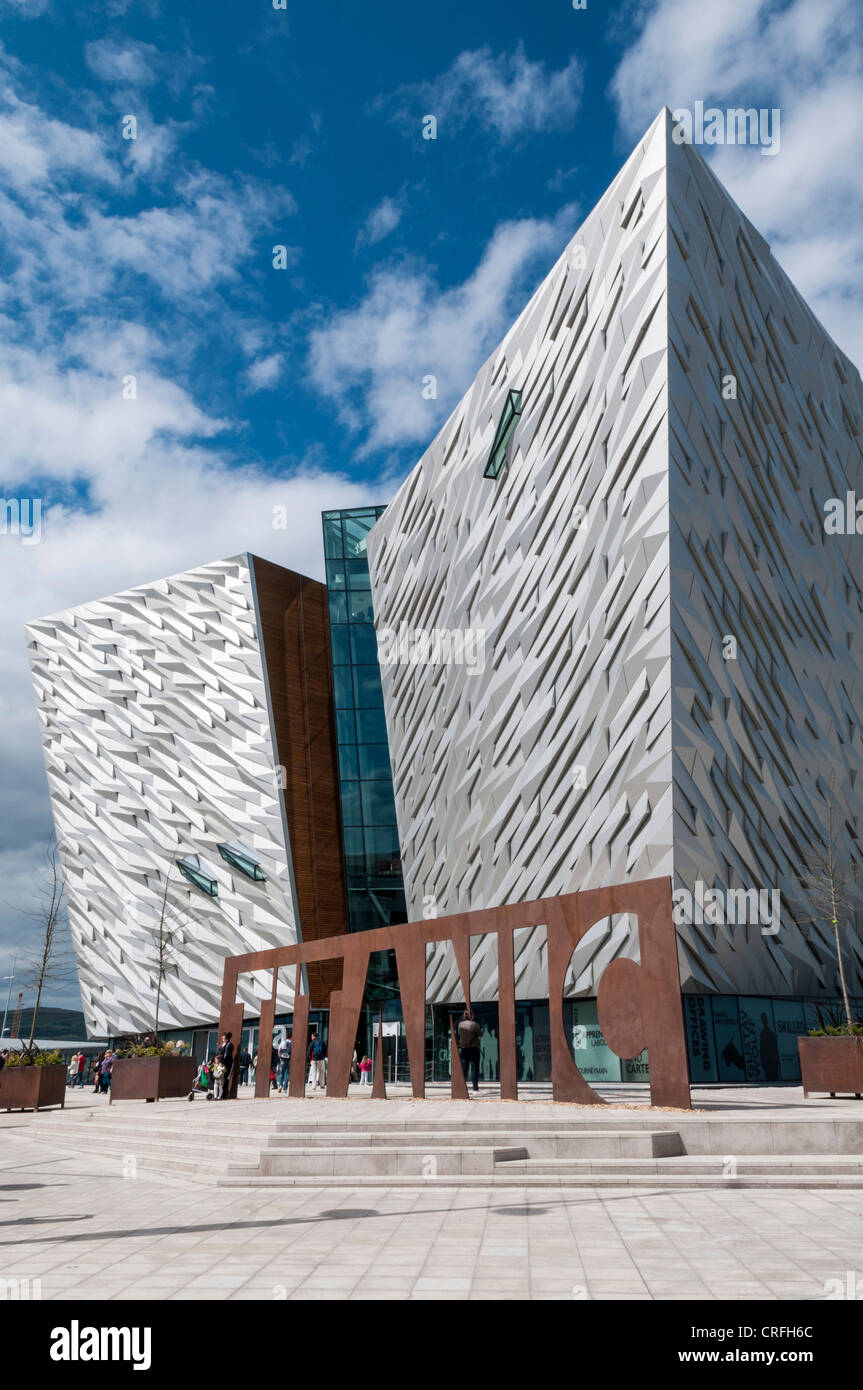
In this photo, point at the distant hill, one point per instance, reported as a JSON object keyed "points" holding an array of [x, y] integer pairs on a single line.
{"points": [[65, 1024]]}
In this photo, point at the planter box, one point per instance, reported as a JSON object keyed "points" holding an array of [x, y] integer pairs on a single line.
{"points": [[152, 1078], [834, 1065], [32, 1088]]}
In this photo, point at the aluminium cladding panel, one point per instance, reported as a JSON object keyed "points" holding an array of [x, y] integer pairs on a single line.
{"points": [[157, 741], [767, 608], [541, 763], [735, 803]]}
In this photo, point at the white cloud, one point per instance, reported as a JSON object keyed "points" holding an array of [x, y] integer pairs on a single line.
{"points": [[505, 93], [807, 60], [157, 502], [27, 9], [382, 220], [147, 486], [35, 149], [371, 360], [129, 63], [264, 374]]}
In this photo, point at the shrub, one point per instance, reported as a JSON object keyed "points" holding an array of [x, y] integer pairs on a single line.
{"points": [[34, 1059], [142, 1050], [845, 1030]]}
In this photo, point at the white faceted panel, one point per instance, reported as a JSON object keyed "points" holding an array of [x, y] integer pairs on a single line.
{"points": [[643, 517], [547, 767], [157, 744]]}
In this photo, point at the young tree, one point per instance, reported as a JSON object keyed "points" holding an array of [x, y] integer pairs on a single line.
{"points": [[167, 935], [52, 963], [830, 887]]}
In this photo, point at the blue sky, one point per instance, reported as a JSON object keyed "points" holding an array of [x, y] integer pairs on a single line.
{"points": [[302, 127], [309, 135]]}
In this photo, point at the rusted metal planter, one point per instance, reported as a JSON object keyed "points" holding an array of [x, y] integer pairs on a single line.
{"points": [[152, 1078], [32, 1088], [834, 1065]]}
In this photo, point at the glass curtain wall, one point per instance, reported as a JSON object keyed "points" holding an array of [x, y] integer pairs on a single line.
{"points": [[375, 888]]}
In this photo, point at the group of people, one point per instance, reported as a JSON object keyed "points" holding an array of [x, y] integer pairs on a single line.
{"points": [[77, 1069], [213, 1075], [99, 1071]]}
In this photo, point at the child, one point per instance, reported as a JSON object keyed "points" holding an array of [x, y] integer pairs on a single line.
{"points": [[365, 1071], [219, 1070]]}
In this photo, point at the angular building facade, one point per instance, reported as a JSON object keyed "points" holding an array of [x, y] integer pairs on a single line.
{"points": [[601, 634], [619, 641], [190, 749]]}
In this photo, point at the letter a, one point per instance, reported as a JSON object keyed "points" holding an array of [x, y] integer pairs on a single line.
{"points": [[834, 521]]}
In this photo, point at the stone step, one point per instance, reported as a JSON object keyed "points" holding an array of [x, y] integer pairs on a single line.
{"points": [[567, 1144], [225, 1135], [504, 1178], [145, 1138], [704, 1165], [419, 1161]]}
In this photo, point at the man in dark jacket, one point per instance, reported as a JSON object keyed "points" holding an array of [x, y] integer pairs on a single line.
{"points": [[469, 1034], [225, 1055], [316, 1056]]}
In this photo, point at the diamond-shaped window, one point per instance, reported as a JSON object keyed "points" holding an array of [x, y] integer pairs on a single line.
{"points": [[505, 431], [241, 858], [191, 869]]}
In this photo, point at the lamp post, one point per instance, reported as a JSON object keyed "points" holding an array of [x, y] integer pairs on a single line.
{"points": [[10, 978]]}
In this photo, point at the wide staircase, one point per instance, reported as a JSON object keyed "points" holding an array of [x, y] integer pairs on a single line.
{"points": [[285, 1144]]}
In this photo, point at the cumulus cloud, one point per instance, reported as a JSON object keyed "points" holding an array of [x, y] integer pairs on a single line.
{"points": [[505, 93], [371, 361], [145, 492], [36, 149], [138, 479], [382, 220], [807, 60], [128, 61], [264, 373]]}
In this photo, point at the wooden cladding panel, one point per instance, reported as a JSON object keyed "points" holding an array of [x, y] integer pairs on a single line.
{"points": [[296, 640]]}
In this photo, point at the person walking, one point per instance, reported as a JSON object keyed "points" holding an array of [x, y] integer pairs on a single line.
{"points": [[225, 1055], [105, 1067], [365, 1071], [244, 1062], [82, 1067], [284, 1069], [316, 1057], [96, 1073], [469, 1034]]}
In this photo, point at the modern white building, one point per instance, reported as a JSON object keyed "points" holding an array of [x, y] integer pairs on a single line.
{"points": [[620, 635], [185, 749], [617, 640]]}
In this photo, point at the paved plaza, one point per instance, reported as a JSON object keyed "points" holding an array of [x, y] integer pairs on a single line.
{"points": [[85, 1230]]}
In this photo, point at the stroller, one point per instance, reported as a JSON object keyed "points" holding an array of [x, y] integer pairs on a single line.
{"points": [[203, 1081]]}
